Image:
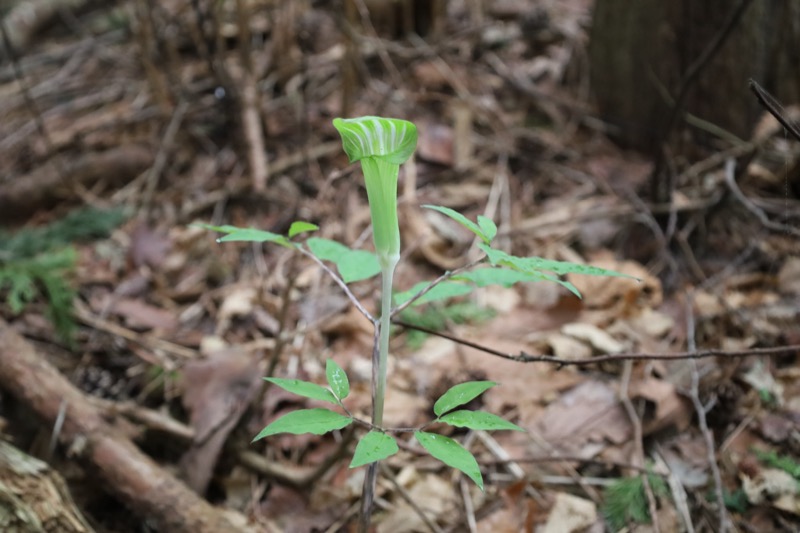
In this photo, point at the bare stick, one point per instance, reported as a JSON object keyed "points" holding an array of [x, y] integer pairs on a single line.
{"points": [[700, 409], [775, 108], [523, 357], [340, 282], [637, 442]]}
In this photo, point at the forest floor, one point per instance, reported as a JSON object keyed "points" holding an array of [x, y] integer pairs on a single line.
{"points": [[661, 396]]}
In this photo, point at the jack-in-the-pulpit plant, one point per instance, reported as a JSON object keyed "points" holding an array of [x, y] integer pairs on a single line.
{"points": [[381, 145]]}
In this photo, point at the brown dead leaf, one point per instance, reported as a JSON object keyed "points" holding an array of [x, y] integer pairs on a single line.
{"points": [[594, 336], [433, 493], [779, 427], [149, 247], [585, 418], [570, 513], [436, 144], [671, 409], [291, 511], [687, 459], [140, 315], [619, 297], [789, 277], [216, 393]]}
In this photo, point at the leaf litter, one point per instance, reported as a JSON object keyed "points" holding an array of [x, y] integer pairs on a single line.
{"points": [[189, 294]]}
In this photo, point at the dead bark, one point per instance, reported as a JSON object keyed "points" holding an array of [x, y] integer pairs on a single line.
{"points": [[34, 497], [58, 178], [134, 478]]}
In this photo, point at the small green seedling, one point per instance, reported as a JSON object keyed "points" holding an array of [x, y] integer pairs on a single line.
{"points": [[381, 145]]}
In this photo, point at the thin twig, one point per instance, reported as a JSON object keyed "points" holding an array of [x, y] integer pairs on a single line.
{"points": [[775, 108], [678, 493], [469, 507], [164, 152], [380, 47], [637, 441], [444, 277], [523, 357], [340, 282], [700, 409], [401, 490], [730, 181]]}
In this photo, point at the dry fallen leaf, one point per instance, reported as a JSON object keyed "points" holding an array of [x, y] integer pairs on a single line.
{"points": [[570, 513], [140, 315], [584, 418], [596, 337], [216, 393]]}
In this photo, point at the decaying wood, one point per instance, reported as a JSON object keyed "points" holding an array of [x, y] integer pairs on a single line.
{"points": [[33, 497], [134, 478], [58, 177], [26, 19]]}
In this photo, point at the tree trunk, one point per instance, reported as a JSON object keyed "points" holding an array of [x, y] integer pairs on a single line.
{"points": [[640, 52]]}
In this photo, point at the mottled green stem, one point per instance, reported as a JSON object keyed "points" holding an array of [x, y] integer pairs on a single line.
{"points": [[379, 375]]}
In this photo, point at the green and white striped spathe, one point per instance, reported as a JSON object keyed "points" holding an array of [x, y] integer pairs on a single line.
{"points": [[381, 145], [391, 139]]}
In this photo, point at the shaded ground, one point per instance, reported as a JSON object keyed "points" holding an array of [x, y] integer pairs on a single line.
{"points": [[167, 113]]}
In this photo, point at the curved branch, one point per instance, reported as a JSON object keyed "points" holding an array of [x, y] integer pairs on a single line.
{"points": [[523, 357]]}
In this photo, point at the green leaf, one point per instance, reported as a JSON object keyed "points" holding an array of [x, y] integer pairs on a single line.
{"points": [[373, 447], [461, 219], [505, 277], [254, 235], [337, 379], [452, 454], [247, 234], [316, 421], [461, 394], [488, 226], [538, 264], [300, 226], [441, 291], [305, 389], [357, 265], [353, 265], [478, 420], [390, 139], [326, 249]]}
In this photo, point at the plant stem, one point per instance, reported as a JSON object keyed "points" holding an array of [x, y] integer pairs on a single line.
{"points": [[380, 356], [379, 376]]}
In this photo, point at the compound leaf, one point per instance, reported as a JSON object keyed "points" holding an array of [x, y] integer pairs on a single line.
{"points": [[538, 264]]}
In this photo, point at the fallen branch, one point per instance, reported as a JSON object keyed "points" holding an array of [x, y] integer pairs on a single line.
{"points": [[523, 357], [122, 468]]}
